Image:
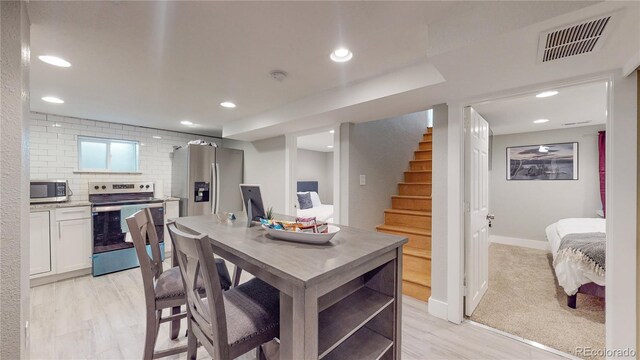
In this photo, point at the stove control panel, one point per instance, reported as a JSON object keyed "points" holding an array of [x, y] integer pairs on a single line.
{"points": [[120, 187]]}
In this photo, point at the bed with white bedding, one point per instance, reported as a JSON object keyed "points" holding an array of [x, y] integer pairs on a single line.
{"points": [[322, 212], [574, 271]]}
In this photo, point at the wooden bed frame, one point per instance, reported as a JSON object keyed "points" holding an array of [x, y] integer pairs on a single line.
{"points": [[588, 289]]}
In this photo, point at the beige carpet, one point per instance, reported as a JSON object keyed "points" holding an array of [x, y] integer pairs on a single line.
{"points": [[524, 299]]}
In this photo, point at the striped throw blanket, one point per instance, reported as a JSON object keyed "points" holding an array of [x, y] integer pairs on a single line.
{"points": [[588, 249]]}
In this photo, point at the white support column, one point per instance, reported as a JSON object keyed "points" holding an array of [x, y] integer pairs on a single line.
{"points": [[455, 197], [14, 179], [621, 326], [439, 243]]}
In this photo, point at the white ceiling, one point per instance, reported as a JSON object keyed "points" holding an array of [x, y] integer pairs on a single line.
{"points": [[493, 65], [156, 63], [316, 142], [574, 104]]}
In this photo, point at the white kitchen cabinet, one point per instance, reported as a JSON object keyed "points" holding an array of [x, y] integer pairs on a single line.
{"points": [[171, 211], [40, 243], [74, 239]]}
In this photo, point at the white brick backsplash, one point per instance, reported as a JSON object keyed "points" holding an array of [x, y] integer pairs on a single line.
{"points": [[54, 154]]}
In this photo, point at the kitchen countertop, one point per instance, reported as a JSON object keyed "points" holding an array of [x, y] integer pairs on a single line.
{"points": [[51, 206], [311, 278], [74, 203]]}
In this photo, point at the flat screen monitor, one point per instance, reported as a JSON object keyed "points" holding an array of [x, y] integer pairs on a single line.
{"points": [[252, 201]]}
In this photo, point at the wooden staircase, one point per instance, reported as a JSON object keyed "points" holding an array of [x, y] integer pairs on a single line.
{"points": [[410, 216]]}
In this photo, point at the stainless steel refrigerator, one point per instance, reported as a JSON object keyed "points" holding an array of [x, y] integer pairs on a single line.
{"points": [[206, 179]]}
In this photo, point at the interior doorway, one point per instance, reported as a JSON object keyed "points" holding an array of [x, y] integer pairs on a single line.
{"points": [[313, 174], [539, 187]]}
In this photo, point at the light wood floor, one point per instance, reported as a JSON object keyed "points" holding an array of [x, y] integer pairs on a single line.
{"points": [[103, 318]]}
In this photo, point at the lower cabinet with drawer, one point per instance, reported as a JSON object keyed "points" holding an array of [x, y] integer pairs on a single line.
{"points": [[40, 243], [74, 245], [60, 243]]}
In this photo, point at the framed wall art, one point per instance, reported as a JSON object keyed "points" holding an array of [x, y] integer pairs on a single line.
{"points": [[543, 162]]}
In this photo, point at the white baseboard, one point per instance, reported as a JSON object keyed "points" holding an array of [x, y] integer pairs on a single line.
{"points": [[438, 308], [532, 244], [48, 279]]}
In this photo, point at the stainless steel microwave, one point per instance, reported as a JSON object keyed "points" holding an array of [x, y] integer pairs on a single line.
{"points": [[43, 191]]}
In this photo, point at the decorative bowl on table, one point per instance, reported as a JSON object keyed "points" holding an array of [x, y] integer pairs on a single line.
{"points": [[302, 236]]}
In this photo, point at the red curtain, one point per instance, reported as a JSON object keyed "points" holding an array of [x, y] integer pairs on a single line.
{"points": [[602, 158]]}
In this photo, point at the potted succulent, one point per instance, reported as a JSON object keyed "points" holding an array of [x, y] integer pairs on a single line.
{"points": [[269, 213]]}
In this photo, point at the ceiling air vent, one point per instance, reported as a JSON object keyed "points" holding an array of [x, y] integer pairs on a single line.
{"points": [[576, 123], [573, 40]]}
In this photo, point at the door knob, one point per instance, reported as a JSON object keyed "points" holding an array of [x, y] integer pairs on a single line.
{"points": [[490, 216]]}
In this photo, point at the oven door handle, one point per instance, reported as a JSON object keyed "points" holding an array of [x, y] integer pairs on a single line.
{"points": [[119, 207]]}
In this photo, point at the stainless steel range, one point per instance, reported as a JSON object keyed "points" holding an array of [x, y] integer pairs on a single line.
{"points": [[111, 204]]}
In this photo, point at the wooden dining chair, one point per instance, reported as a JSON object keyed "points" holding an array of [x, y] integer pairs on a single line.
{"points": [[163, 289], [227, 324]]}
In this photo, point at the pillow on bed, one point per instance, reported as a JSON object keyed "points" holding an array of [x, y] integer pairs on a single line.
{"points": [[315, 199], [300, 192], [304, 200]]}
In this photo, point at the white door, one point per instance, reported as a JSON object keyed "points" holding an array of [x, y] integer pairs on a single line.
{"points": [[74, 245], [476, 243], [39, 243]]}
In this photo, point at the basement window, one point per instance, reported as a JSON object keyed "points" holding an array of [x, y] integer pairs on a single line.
{"points": [[107, 155]]}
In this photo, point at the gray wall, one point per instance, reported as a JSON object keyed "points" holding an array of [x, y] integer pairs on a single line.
{"points": [[264, 164], [381, 151], [439, 204], [14, 179], [523, 209], [317, 166], [328, 165]]}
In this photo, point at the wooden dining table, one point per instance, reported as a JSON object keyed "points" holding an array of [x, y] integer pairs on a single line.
{"points": [[339, 300]]}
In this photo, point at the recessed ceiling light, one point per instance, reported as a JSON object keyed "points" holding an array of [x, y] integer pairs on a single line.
{"points": [[228, 104], [543, 149], [332, 131], [157, 137], [540, 121], [547, 94], [341, 55], [330, 146], [56, 125], [54, 60], [186, 122], [53, 99]]}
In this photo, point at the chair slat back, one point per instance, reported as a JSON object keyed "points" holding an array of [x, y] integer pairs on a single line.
{"points": [[141, 228], [195, 258]]}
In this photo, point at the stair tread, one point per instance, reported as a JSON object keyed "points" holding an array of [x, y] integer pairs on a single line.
{"points": [[420, 253], [404, 229], [416, 278], [408, 212], [417, 171], [424, 150], [420, 160], [425, 141], [418, 197], [415, 183]]}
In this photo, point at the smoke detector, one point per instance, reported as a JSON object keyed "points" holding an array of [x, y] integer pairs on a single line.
{"points": [[581, 38], [278, 75]]}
